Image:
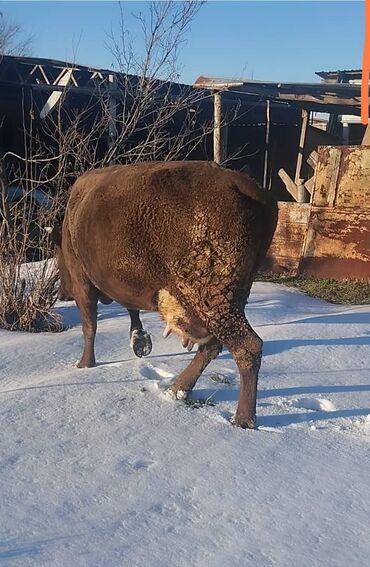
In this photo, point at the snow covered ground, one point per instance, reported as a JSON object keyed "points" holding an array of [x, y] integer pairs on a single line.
{"points": [[99, 468]]}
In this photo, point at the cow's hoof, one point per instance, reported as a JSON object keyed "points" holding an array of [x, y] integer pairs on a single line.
{"points": [[141, 343], [244, 422], [176, 394], [188, 344], [85, 363]]}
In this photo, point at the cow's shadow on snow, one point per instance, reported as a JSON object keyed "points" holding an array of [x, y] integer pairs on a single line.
{"points": [[282, 345], [286, 419], [29, 551], [230, 393], [347, 318], [271, 347]]}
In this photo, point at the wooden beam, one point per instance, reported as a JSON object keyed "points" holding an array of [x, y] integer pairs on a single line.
{"points": [[309, 184], [302, 193], [312, 159], [112, 126], [289, 183], [267, 141], [324, 99], [224, 141], [62, 81], [302, 139], [217, 121]]}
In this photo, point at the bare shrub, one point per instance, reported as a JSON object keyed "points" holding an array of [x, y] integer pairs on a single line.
{"points": [[12, 39], [27, 289]]}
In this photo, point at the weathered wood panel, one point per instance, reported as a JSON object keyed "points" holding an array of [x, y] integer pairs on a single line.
{"points": [[353, 189], [342, 177], [326, 176], [286, 248]]}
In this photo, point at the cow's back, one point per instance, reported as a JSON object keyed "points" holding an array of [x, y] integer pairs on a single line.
{"points": [[142, 221]]}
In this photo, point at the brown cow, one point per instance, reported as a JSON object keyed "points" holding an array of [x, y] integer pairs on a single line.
{"points": [[181, 238], [140, 340]]}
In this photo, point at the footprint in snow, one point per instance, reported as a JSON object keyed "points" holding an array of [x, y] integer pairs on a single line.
{"points": [[153, 373], [113, 364], [135, 466], [315, 404], [154, 377]]}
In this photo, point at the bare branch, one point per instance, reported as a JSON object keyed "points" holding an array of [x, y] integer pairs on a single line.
{"points": [[12, 39]]}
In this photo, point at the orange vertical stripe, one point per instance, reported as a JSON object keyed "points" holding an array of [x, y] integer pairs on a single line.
{"points": [[366, 68]]}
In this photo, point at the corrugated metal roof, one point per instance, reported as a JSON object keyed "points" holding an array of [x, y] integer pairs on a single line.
{"points": [[345, 73], [18, 70], [323, 96]]}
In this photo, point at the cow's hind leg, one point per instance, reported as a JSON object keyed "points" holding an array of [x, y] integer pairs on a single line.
{"points": [[86, 297], [188, 377], [140, 340], [245, 346]]}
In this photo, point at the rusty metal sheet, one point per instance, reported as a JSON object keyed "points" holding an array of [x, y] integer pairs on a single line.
{"points": [[290, 212], [286, 248], [337, 244], [330, 237]]}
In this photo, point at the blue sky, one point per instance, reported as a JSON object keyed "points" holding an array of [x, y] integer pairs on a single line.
{"points": [[277, 41]]}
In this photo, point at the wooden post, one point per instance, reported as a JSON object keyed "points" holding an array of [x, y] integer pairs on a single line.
{"points": [[224, 141], [366, 137], [217, 121], [345, 136], [267, 140], [301, 192], [302, 138], [112, 127]]}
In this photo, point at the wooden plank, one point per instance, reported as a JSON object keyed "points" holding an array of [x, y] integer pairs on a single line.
{"points": [[286, 248], [302, 138], [289, 183], [290, 233], [312, 159], [353, 185], [334, 173], [62, 81], [293, 212], [309, 184], [326, 176]]}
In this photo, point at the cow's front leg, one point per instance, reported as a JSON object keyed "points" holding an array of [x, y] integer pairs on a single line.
{"points": [[86, 297], [140, 340], [188, 377]]}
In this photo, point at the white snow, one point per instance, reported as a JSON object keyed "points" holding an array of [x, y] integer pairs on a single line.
{"points": [[99, 468], [316, 404]]}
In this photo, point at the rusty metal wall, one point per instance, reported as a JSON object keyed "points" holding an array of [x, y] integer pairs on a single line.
{"points": [[331, 236], [337, 240]]}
